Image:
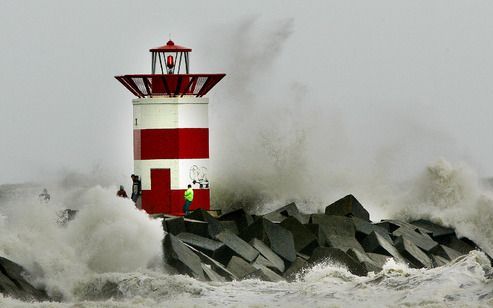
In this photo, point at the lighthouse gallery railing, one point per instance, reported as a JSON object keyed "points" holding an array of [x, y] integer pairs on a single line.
{"points": [[170, 85]]}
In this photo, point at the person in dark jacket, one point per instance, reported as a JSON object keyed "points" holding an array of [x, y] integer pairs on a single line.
{"points": [[136, 191], [122, 193]]}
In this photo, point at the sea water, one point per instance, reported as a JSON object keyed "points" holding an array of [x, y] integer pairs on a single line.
{"points": [[110, 254]]}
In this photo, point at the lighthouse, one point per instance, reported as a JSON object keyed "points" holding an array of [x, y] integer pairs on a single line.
{"points": [[171, 130]]}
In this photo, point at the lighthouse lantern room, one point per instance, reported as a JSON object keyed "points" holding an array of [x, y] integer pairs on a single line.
{"points": [[171, 130]]}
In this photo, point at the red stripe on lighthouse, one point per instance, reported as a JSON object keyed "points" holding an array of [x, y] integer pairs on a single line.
{"points": [[177, 143]]}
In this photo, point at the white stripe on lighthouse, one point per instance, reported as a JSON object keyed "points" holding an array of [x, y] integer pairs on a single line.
{"points": [[182, 112], [183, 171]]}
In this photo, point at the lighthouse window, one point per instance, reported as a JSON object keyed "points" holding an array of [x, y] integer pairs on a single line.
{"points": [[136, 124]]}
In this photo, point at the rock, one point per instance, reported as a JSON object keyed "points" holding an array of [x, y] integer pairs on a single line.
{"points": [[174, 225], [317, 232], [273, 258], [240, 217], [412, 253], [238, 245], [214, 226], [279, 239], [13, 283], [436, 230], [290, 210], [302, 237], [438, 261], [198, 214], [294, 269], [266, 274], [197, 227], [392, 224], [240, 268], [335, 255], [379, 259], [214, 249], [230, 225], [463, 245], [177, 254], [418, 239], [446, 252], [376, 243], [335, 225], [364, 228], [348, 206], [364, 260], [215, 265], [211, 274]]}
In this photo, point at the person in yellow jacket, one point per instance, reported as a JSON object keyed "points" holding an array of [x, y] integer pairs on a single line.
{"points": [[188, 199]]}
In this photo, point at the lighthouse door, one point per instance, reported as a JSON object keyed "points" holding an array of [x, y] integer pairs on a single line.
{"points": [[161, 191]]}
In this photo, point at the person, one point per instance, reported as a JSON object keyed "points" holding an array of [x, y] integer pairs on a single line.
{"points": [[122, 193], [188, 199], [44, 196], [136, 191]]}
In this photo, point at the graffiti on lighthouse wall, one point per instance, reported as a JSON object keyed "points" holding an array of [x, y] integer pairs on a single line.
{"points": [[198, 175]]}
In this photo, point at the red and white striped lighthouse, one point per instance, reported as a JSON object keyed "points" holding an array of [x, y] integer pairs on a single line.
{"points": [[171, 130]]}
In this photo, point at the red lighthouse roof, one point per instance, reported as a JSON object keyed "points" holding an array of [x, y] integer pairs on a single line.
{"points": [[170, 47]]}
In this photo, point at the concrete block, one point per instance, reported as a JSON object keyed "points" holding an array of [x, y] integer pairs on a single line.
{"points": [[335, 225], [211, 274], [240, 268], [301, 235], [418, 239], [177, 254], [174, 225], [290, 210], [379, 259], [230, 225], [412, 253], [364, 228], [272, 257], [462, 245], [281, 241], [377, 243], [240, 217], [365, 260], [337, 256], [446, 252], [198, 214], [238, 245], [438, 261], [14, 284], [214, 226], [348, 206], [295, 269], [215, 265], [392, 224], [267, 274], [214, 249], [197, 227], [343, 243], [436, 230]]}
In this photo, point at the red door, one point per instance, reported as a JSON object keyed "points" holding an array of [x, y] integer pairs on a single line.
{"points": [[158, 199]]}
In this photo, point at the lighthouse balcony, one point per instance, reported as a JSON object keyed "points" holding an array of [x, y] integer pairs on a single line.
{"points": [[171, 85]]}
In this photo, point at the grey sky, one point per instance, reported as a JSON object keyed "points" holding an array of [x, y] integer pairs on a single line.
{"points": [[392, 85]]}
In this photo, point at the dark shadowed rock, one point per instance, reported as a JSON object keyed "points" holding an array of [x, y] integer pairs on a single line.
{"points": [[446, 252], [436, 230], [294, 269], [290, 210], [230, 225], [336, 225], [301, 235], [238, 245], [174, 225], [364, 228], [215, 265], [240, 217], [412, 253], [13, 283], [317, 232], [211, 274], [266, 274], [348, 206], [177, 254], [273, 258], [197, 227], [334, 255], [376, 243], [462, 245]]}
